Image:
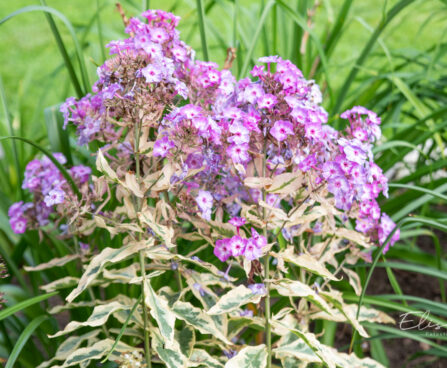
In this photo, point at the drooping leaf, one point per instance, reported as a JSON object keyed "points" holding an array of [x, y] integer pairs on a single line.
{"points": [[108, 255]]}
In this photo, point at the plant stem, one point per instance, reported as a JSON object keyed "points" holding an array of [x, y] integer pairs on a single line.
{"points": [[147, 343], [268, 334]]}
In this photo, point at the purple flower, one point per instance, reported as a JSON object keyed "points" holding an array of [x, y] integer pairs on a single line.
{"points": [[237, 245], [281, 129], [267, 101], [258, 289], [152, 73], [55, 196], [259, 240], [239, 153], [162, 147], [222, 250], [331, 170], [204, 200], [252, 251], [237, 221], [18, 224], [194, 161], [338, 185]]}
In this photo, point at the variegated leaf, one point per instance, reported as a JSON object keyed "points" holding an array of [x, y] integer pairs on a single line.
{"points": [[288, 287], [95, 352], [55, 262], [201, 358], [169, 353], [305, 261], [68, 347], [63, 283], [233, 299], [286, 183], [165, 233], [336, 299], [161, 312], [366, 314], [249, 357], [108, 255], [186, 338], [99, 317], [198, 319], [103, 166], [257, 182]]}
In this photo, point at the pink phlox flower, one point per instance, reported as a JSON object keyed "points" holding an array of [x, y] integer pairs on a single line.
{"points": [[259, 240], [237, 245], [222, 249], [163, 146], [251, 251], [55, 196], [238, 153], [267, 101], [281, 129]]}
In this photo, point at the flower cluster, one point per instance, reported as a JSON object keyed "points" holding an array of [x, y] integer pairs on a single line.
{"points": [[225, 129], [49, 188], [251, 248]]}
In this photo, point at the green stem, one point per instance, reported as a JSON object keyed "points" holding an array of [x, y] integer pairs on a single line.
{"points": [[268, 334], [147, 343]]}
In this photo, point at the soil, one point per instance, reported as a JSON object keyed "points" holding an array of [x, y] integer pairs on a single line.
{"points": [[401, 352]]}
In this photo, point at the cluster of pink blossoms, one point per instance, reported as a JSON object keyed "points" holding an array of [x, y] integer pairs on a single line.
{"points": [[235, 246], [49, 188], [205, 119]]}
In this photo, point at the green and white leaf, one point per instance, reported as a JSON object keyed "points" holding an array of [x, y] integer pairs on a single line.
{"points": [[55, 262], [288, 287], [234, 299], [107, 255], [165, 233], [99, 317], [186, 338], [201, 358], [170, 353], [305, 261], [198, 319], [159, 309], [249, 357]]}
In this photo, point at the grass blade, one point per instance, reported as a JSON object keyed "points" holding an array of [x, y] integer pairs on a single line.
{"points": [[11, 132], [202, 29], [26, 334], [366, 50], [123, 329], [5, 313], [57, 136], [255, 38]]}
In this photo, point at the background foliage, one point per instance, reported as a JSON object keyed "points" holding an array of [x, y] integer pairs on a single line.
{"points": [[387, 55]]}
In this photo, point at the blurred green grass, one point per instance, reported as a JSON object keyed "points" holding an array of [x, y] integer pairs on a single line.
{"points": [[31, 66]]}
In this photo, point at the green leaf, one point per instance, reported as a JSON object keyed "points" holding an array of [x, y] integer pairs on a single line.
{"points": [[23, 338], [57, 136], [201, 22], [25, 304], [249, 357]]}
